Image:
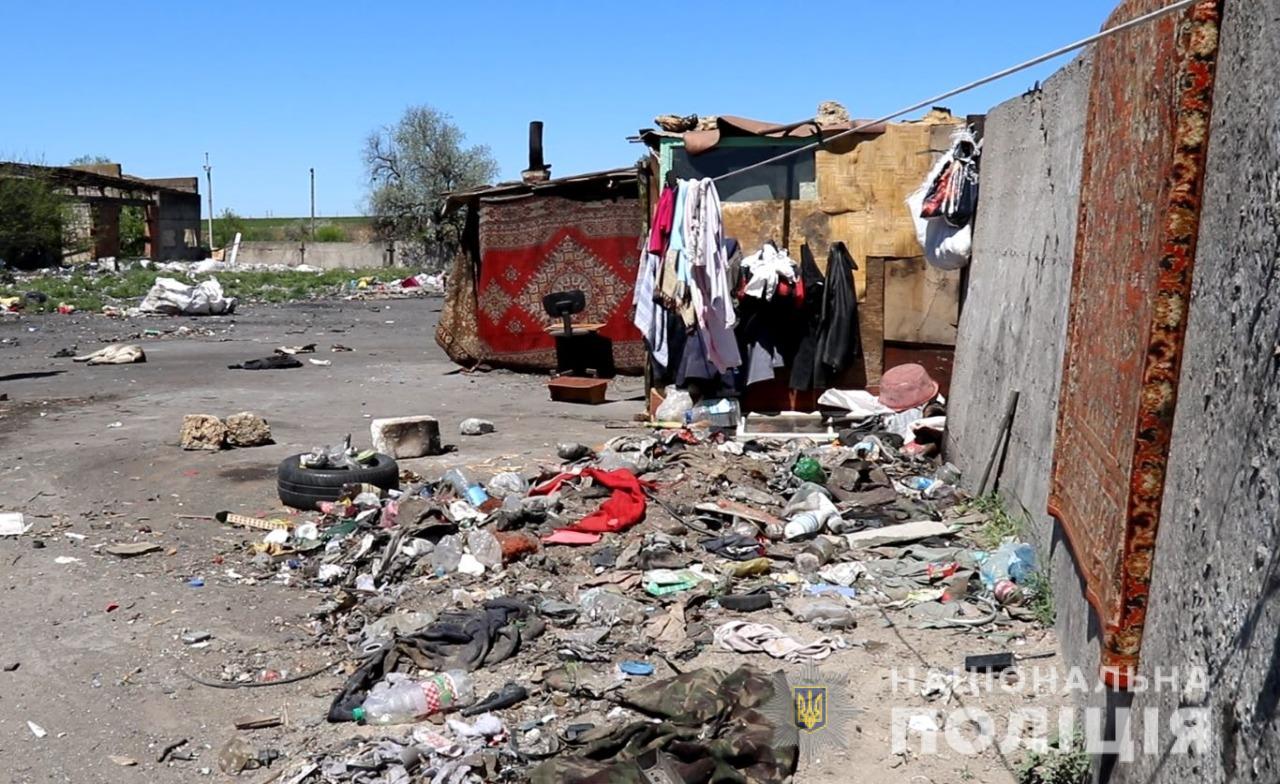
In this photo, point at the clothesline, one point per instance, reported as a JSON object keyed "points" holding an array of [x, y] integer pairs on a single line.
{"points": [[1083, 42]]}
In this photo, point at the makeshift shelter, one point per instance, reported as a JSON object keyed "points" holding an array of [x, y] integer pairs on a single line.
{"points": [[525, 240], [851, 190]]}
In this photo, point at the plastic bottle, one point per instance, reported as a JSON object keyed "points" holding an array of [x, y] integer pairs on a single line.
{"points": [[464, 487], [812, 520], [407, 700], [486, 549], [1012, 560], [806, 499], [446, 555], [721, 413], [816, 555], [807, 524], [822, 612]]}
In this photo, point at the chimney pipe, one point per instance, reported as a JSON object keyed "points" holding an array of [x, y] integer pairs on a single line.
{"points": [[538, 171]]}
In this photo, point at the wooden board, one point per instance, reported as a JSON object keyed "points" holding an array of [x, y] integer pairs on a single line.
{"points": [[922, 302]]}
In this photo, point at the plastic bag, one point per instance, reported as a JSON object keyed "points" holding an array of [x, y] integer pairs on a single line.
{"points": [[675, 403], [945, 247], [505, 484]]}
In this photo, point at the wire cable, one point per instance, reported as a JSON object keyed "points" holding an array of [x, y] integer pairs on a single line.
{"points": [[1083, 42]]}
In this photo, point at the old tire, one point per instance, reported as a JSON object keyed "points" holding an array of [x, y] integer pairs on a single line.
{"points": [[304, 488]]}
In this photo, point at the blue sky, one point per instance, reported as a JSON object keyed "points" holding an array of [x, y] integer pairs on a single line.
{"points": [[270, 89]]}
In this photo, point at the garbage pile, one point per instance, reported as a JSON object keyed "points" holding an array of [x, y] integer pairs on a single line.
{"points": [[550, 623]]}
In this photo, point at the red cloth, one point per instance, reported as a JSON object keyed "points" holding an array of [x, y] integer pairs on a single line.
{"points": [[663, 219], [622, 510]]}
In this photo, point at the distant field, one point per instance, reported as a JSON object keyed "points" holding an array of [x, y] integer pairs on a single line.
{"points": [[351, 228]]}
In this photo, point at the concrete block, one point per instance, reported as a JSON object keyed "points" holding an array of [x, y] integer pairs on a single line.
{"points": [[247, 429], [410, 436], [202, 431]]}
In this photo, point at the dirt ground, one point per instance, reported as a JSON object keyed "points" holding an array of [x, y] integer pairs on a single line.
{"points": [[91, 456]]}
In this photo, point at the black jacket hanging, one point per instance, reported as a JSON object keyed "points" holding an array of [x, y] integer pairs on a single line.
{"points": [[839, 341], [805, 361]]}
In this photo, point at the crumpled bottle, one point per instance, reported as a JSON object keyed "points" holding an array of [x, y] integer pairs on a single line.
{"points": [[1012, 560], [446, 555], [486, 549]]}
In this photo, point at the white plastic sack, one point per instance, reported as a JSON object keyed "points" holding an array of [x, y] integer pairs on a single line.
{"points": [[174, 297], [858, 402], [945, 247]]}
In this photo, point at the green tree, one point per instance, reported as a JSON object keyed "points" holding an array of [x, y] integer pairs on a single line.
{"points": [[411, 166], [32, 215]]}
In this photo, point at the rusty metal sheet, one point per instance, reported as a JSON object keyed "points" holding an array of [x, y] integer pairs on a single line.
{"points": [[1146, 140]]}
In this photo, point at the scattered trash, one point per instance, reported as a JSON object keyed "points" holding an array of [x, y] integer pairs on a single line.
{"points": [[13, 524], [475, 427], [122, 761], [63, 560], [273, 362], [993, 662], [36, 729], [132, 549], [175, 298], [320, 362]]}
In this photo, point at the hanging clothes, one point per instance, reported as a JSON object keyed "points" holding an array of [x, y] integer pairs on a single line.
{"points": [[839, 341], [805, 362], [663, 219], [716, 316], [649, 317]]}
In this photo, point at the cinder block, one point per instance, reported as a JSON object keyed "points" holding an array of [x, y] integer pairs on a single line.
{"points": [[410, 436]]}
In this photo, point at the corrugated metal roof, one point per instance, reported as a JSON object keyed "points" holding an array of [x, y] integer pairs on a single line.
{"points": [[607, 179]]}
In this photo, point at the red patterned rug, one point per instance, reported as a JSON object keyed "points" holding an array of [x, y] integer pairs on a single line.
{"points": [[1146, 141], [535, 246]]}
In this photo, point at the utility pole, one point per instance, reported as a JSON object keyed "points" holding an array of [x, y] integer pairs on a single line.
{"points": [[208, 176], [313, 204]]}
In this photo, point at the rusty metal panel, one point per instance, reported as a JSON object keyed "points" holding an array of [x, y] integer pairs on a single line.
{"points": [[1146, 140]]}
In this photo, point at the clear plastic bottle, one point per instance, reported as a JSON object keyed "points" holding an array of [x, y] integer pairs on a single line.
{"points": [[721, 413], [486, 549], [1011, 561], [446, 555], [464, 487], [822, 612], [408, 700]]}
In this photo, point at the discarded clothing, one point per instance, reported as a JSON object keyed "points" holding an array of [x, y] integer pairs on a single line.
{"points": [[463, 640], [273, 362], [711, 730], [738, 547], [839, 341], [746, 637], [623, 509]]}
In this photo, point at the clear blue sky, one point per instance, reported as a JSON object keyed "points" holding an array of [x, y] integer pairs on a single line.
{"points": [[272, 88]]}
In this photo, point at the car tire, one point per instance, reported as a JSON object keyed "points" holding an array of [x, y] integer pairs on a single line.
{"points": [[304, 488]]}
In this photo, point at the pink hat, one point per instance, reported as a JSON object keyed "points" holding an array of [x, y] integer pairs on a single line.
{"points": [[907, 386]]}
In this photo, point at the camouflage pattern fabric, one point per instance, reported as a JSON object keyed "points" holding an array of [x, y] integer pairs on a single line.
{"points": [[711, 731]]}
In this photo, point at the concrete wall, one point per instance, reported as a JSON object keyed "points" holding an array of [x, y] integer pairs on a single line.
{"points": [[1214, 593], [1214, 600], [326, 255], [1013, 328], [177, 228]]}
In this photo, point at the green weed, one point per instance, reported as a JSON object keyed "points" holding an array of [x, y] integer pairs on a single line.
{"points": [[126, 289], [999, 525], [1062, 763]]}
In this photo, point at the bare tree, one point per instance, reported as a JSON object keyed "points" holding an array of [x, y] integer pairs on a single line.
{"points": [[411, 166]]}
